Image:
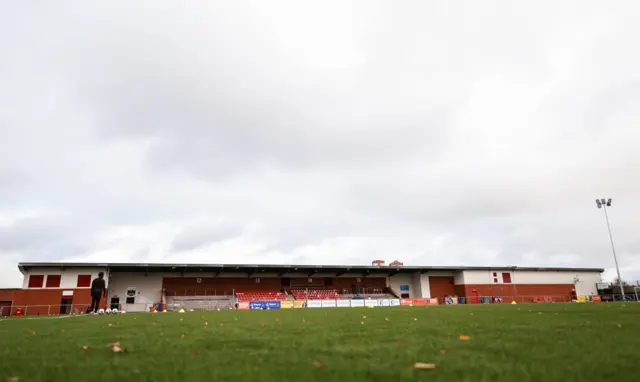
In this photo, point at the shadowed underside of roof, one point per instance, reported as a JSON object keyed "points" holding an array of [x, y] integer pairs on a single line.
{"points": [[283, 269]]}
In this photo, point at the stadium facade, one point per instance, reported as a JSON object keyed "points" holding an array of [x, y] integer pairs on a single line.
{"points": [[54, 288]]}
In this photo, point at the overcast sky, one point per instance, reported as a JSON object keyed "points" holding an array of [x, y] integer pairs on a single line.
{"points": [[432, 132]]}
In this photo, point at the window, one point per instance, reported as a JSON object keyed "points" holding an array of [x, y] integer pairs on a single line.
{"points": [[495, 280], [35, 281], [506, 278], [53, 281], [495, 274], [84, 281]]}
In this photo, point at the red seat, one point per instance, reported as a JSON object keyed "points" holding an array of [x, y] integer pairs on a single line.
{"points": [[260, 296], [315, 294]]}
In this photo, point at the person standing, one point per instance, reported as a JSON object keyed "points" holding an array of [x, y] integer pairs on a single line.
{"points": [[98, 289]]}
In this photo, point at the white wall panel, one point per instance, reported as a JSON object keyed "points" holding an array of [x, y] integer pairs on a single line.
{"points": [[551, 277], [425, 289], [402, 279], [68, 276], [585, 284], [148, 288], [458, 278], [477, 277]]}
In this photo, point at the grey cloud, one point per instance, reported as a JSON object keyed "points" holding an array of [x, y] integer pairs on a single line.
{"points": [[414, 131], [41, 238], [197, 236]]}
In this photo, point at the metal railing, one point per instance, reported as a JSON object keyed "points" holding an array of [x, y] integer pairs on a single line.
{"points": [[199, 292], [213, 304], [64, 309], [537, 299], [362, 292]]}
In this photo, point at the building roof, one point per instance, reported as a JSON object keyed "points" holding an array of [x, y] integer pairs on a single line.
{"points": [[282, 269]]}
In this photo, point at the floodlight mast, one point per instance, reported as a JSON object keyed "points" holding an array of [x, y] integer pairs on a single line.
{"points": [[604, 203]]}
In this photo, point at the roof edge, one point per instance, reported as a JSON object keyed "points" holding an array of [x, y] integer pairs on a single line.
{"points": [[23, 266]]}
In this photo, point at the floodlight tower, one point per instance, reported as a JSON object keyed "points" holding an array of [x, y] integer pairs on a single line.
{"points": [[604, 203]]}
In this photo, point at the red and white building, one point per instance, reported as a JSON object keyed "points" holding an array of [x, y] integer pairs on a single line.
{"points": [[53, 288]]}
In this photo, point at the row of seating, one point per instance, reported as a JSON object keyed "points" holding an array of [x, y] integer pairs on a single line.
{"points": [[260, 296], [199, 303], [300, 294], [315, 294]]}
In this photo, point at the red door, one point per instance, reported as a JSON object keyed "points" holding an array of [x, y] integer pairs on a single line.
{"points": [[5, 308], [474, 297]]}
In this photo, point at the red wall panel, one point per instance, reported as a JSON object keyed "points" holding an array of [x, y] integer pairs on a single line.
{"points": [[225, 285], [216, 285], [45, 301], [84, 281], [441, 286], [522, 292], [53, 281], [36, 281]]}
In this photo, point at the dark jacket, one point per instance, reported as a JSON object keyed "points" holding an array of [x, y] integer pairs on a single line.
{"points": [[97, 287]]}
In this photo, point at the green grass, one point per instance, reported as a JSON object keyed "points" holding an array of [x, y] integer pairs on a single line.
{"points": [[544, 342]]}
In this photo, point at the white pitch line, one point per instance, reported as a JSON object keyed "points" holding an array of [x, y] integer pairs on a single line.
{"points": [[44, 317]]}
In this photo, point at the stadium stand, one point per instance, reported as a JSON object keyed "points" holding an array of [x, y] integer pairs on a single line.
{"points": [[199, 302], [260, 296], [372, 296], [315, 294]]}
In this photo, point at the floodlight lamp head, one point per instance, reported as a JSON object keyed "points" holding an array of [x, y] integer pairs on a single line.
{"points": [[609, 202], [598, 203], [603, 201]]}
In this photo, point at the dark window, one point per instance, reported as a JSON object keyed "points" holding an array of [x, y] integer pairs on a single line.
{"points": [[495, 280], [53, 281], [495, 274], [84, 281], [506, 278], [35, 281], [131, 300]]}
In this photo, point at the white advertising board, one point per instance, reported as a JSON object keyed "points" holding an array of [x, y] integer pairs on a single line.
{"points": [[357, 303], [394, 302], [371, 303], [343, 303], [384, 302], [314, 304], [328, 303]]}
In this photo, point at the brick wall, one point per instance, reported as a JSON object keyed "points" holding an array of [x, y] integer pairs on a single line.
{"points": [[441, 286], [523, 292], [45, 301]]}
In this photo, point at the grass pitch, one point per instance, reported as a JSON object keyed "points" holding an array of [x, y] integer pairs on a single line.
{"points": [[544, 342]]}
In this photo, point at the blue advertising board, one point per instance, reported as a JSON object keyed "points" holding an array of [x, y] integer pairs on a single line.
{"points": [[264, 305]]}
